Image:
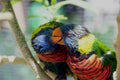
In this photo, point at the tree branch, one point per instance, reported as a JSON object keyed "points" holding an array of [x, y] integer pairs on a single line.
{"points": [[117, 48], [11, 60], [20, 60], [40, 74], [5, 16], [79, 3]]}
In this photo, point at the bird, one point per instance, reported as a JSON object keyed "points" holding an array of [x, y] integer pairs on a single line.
{"points": [[88, 58], [52, 55]]}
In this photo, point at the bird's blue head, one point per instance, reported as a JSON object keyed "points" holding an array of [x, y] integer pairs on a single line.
{"points": [[42, 43]]}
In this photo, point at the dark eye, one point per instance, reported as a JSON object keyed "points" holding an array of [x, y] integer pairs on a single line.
{"points": [[69, 35]]}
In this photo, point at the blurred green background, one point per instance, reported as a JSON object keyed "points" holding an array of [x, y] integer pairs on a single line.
{"points": [[35, 14]]}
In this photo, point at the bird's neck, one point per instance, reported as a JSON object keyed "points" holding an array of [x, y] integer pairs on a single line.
{"points": [[85, 44]]}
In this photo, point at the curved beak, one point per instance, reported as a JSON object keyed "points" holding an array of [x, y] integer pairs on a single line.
{"points": [[57, 37]]}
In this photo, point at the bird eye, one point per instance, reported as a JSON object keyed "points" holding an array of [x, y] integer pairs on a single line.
{"points": [[69, 35]]}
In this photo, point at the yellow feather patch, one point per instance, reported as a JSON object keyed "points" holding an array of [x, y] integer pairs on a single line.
{"points": [[85, 44]]}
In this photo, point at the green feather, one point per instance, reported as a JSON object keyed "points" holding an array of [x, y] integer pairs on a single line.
{"points": [[104, 52], [46, 25], [100, 48], [108, 57]]}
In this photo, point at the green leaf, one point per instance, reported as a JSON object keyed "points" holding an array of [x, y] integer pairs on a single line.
{"points": [[53, 2], [60, 17], [44, 2], [38, 14]]}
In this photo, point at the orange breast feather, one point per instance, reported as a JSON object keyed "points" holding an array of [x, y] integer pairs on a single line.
{"points": [[59, 55], [89, 69]]}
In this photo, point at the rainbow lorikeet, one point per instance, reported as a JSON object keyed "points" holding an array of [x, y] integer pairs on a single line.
{"points": [[88, 58], [52, 55]]}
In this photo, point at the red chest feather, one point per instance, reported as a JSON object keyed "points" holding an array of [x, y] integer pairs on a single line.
{"points": [[59, 55], [89, 69]]}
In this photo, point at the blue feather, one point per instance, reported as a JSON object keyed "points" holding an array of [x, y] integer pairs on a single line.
{"points": [[42, 43]]}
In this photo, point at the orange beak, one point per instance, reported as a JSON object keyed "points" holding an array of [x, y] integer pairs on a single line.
{"points": [[57, 37]]}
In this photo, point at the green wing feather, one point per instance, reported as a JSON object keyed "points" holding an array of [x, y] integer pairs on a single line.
{"points": [[100, 48], [106, 54], [91, 45], [108, 57]]}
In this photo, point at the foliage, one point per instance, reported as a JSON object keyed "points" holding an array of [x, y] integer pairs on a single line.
{"points": [[39, 13]]}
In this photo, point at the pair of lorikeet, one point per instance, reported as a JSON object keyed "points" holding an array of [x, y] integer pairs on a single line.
{"points": [[71, 48]]}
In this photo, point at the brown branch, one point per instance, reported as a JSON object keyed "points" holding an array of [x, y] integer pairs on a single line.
{"points": [[117, 48], [5, 16], [4, 59], [20, 14], [40, 74]]}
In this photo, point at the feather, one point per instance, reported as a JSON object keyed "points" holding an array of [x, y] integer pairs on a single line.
{"points": [[52, 55], [89, 58]]}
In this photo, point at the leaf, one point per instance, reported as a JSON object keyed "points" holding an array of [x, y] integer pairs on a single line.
{"points": [[44, 2], [38, 14], [53, 2]]}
